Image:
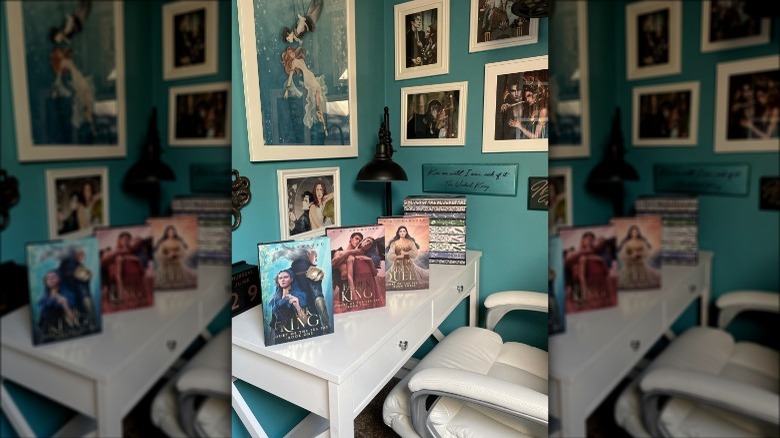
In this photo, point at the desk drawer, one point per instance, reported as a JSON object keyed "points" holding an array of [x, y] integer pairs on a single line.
{"points": [[453, 293], [680, 299]]}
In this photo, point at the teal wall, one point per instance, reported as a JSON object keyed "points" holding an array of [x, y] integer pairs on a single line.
{"points": [[513, 239]]}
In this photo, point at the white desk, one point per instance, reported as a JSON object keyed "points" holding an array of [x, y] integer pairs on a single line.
{"points": [[335, 376], [600, 347], [103, 376]]}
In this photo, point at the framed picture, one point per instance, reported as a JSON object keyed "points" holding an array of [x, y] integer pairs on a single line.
{"points": [[309, 201], [560, 198], [434, 115], [299, 79], [67, 81], [77, 201], [493, 25], [422, 38], [653, 42], [569, 112], [189, 39], [746, 108], [666, 115], [199, 115], [731, 24], [516, 103]]}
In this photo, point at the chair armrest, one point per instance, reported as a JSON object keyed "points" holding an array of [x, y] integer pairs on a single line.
{"points": [[205, 381], [500, 303], [730, 304]]}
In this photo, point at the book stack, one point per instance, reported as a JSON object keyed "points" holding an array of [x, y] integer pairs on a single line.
{"points": [[679, 226], [214, 225], [448, 225]]}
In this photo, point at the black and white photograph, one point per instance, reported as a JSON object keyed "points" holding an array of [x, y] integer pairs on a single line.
{"points": [[434, 115], [199, 115], [189, 39], [421, 38], [653, 42], [666, 115], [77, 201]]}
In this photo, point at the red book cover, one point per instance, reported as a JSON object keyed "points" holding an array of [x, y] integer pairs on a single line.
{"points": [[406, 252], [590, 267], [126, 267], [358, 262]]}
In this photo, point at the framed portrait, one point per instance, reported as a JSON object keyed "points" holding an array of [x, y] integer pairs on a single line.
{"points": [[299, 79], [309, 201], [67, 76], [434, 115], [653, 42], [493, 25], [560, 198], [199, 115], [731, 24], [746, 105], [77, 201], [569, 112], [517, 94], [189, 39], [666, 115], [422, 38]]}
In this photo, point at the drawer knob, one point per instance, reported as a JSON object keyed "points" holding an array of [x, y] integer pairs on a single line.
{"points": [[402, 345], [460, 288], [692, 288], [171, 345], [635, 344]]}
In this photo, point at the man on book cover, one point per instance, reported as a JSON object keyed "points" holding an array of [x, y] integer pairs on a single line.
{"points": [[357, 281]]}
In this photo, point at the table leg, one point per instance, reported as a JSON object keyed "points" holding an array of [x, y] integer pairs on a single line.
{"points": [[244, 413], [109, 416], [573, 417], [342, 424], [13, 413]]}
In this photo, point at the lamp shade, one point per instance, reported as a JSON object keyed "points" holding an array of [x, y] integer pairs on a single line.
{"points": [[382, 167], [613, 167], [149, 168]]}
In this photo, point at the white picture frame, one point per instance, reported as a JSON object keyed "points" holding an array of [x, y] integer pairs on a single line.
{"points": [[200, 115], [417, 103], [520, 31], [190, 30], [666, 115], [653, 48], [708, 27], [292, 185], [433, 57], [560, 181], [70, 213]]}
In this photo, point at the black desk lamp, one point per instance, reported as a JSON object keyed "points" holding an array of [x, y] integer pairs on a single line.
{"points": [[382, 168]]}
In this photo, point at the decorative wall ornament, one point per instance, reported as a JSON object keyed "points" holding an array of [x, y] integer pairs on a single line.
{"points": [[240, 196]]}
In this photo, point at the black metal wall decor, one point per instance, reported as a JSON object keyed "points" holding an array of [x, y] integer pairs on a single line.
{"points": [[9, 196], [241, 196]]}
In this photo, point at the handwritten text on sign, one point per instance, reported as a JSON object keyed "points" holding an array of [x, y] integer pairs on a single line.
{"points": [[716, 179], [538, 193], [477, 179]]}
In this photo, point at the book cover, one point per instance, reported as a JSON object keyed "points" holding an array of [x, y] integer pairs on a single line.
{"points": [[126, 267], [175, 252], [298, 292], [590, 268], [638, 251], [556, 318], [358, 263], [64, 287], [679, 223], [245, 287], [406, 252]]}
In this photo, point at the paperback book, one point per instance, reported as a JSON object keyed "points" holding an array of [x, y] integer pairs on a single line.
{"points": [[297, 296], [126, 267], [447, 225], [406, 252], [638, 251], [175, 252], [358, 264], [680, 226], [590, 268], [556, 319], [245, 285]]}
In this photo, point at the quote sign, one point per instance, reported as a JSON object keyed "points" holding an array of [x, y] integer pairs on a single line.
{"points": [[538, 193], [714, 179], [472, 179]]}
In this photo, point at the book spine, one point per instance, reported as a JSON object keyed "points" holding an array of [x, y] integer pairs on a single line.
{"points": [[440, 208], [438, 214], [447, 261], [446, 246], [434, 201], [459, 255]]}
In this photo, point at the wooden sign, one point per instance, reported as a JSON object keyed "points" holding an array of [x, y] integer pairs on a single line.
{"points": [[538, 195], [472, 179], [713, 179]]}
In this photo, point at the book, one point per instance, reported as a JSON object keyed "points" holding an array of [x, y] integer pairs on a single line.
{"points": [[64, 288], [590, 269], [214, 225], [556, 319], [175, 252], [413, 200], [447, 214], [358, 263], [297, 296], [406, 252], [245, 288], [679, 223], [126, 267], [638, 251]]}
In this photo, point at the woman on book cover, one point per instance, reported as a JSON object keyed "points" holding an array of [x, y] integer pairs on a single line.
{"points": [[56, 306], [590, 272], [126, 267], [288, 301], [633, 251], [402, 250], [171, 249]]}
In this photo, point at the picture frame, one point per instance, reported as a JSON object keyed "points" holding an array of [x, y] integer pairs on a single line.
{"points": [[77, 201], [68, 90], [718, 34], [495, 28], [189, 37], [560, 195], [666, 115], [294, 186], [512, 122], [417, 52], [769, 193], [569, 112], [422, 124], [653, 39], [200, 115], [282, 128], [738, 82]]}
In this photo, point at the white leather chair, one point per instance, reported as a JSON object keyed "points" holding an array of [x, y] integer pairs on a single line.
{"points": [[484, 387], [706, 384]]}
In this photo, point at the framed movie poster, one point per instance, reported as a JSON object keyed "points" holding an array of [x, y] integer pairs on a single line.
{"points": [[67, 76], [309, 201], [517, 95], [189, 39], [666, 115], [299, 78], [422, 38], [199, 115], [746, 105], [653, 42], [731, 24], [493, 25], [77, 201], [560, 198], [434, 115]]}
